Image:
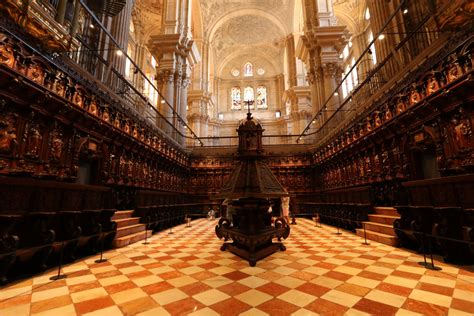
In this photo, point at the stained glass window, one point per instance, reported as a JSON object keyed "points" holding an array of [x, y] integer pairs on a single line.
{"points": [[262, 97], [248, 70], [249, 96], [236, 98]]}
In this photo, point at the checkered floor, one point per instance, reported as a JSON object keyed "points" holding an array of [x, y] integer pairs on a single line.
{"points": [[186, 273]]}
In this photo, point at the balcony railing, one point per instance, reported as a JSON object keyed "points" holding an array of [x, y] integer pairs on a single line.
{"points": [[411, 30]]}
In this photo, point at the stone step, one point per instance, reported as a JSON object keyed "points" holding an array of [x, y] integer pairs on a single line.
{"points": [[122, 214], [129, 230], [378, 237], [380, 228], [386, 210], [383, 219], [130, 239], [123, 222]]}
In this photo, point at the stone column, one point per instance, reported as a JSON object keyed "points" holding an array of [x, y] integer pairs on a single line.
{"points": [[61, 11], [120, 30]]}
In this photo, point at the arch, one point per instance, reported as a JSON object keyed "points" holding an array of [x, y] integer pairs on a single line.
{"points": [[241, 12]]}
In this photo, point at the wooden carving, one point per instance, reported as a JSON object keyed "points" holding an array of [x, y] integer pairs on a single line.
{"points": [[8, 133]]}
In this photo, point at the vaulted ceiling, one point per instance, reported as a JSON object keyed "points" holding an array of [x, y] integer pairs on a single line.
{"points": [[247, 30]]}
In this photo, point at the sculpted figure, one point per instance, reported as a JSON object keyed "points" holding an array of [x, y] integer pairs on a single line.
{"points": [[7, 134], [6, 55], [106, 115], [57, 146], [432, 86], [34, 141], [93, 108]]}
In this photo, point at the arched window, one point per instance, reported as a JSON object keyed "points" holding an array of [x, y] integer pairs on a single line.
{"points": [[372, 51], [248, 70], [262, 97], [249, 96], [355, 76], [367, 14], [236, 98], [344, 87], [350, 84]]}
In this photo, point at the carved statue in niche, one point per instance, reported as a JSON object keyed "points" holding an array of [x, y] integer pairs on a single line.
{"points": [[57, 145], [6, 55], [388, 114], [135, 131], [368, 125], [377, 163], [453, 71], [35, 72], [367, 164], [122, 165], [432, 85], [415, 96], [60, 86], [78, 98], [117, 120], [377, 120], [126, 127], [106, 115], [462, 132], [401, 107], [93, 109], [7, 133], [34, 138], [130, 168]]}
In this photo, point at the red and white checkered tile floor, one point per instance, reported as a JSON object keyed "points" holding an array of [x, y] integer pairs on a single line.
{"points": [[186, 273]]}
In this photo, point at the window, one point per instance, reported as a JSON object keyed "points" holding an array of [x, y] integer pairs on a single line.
{"points": [[345, 52], [355, 76], [261, 97], [350, 84], [149, 90], [249, 96], [221, 116], [236, 98], [277, 114], [248, 70], [128, 63], [344, 88], [372, 51], [367, 14]]}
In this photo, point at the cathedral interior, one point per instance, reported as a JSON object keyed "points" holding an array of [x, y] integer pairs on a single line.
{"points": [[120, 129]]}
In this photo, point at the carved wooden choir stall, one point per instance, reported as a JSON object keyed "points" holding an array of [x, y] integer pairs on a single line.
{"points": [[250, 186]]}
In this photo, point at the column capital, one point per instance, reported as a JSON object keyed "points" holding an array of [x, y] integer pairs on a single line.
{"points": [[331, 70]]}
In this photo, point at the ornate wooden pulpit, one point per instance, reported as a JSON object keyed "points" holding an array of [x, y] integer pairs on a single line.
{"points": [[250, 187]]}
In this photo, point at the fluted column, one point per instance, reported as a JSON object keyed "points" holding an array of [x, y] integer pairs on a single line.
{"points": [[61, 11], [120, 30]]}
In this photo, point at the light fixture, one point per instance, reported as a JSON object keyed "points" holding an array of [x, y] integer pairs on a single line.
{"points": [[314, 122], [92, 26], [119, 53], [162, 101], [381, 37], [336, 94], [405, 11]]}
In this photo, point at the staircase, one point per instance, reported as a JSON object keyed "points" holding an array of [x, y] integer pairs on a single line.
{"points": [[380, 226], [129, 229]]}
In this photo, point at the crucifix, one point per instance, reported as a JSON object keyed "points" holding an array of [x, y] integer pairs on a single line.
{"points": [[248, 103]]}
